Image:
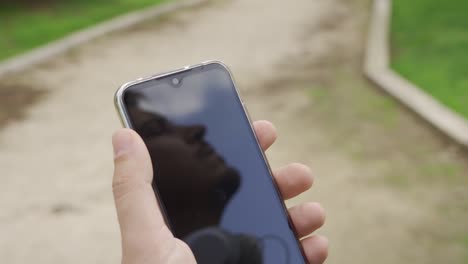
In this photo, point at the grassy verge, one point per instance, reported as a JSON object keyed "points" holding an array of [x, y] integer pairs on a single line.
{"points": [[429, 41], [29, 24], [395, 151]]}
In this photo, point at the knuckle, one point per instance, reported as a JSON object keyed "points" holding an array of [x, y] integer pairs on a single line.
{"points": [[122, 185], [121, 158]]}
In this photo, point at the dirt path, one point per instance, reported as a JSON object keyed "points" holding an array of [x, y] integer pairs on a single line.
{"points": [[296, 65]]}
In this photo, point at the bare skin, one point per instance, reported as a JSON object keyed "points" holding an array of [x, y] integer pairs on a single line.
{"points": [[146, 238]]}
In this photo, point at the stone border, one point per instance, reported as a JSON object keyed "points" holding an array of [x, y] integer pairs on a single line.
{"points": [[376, 68], [55, 48]]}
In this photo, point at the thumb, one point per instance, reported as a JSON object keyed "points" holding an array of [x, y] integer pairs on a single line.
{"points": [[137, 209]]}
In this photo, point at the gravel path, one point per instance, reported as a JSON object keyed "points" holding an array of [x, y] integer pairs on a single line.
{"points": [[56, 164]]}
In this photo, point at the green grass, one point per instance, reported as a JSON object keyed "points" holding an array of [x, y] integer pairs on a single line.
{"points": [[27, 26], [465, 244], [430, 48]]}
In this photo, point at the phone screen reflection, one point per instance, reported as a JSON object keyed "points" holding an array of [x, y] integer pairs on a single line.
{"points": [[199, 186], [209, 172]]}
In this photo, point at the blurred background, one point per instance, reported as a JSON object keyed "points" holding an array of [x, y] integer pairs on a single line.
{"points": [[395, 189]]}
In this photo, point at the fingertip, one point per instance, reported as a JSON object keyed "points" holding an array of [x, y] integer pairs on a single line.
{"points": [[316, 248], [319, 213], [322, 248], [265, 123], [266, 133], [293, 179], [307, 218], [267, 127], [304, 174]]}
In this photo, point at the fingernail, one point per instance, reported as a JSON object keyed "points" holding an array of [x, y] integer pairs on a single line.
{"points": [[122, 142]]}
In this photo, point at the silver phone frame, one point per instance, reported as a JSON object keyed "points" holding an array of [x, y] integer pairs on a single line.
{"points": [[119, 105]]}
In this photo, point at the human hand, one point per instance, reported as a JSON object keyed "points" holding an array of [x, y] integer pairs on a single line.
{"points": [[145, 236]]}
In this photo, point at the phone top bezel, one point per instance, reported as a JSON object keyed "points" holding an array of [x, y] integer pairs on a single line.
{"points": [[119, 94]]}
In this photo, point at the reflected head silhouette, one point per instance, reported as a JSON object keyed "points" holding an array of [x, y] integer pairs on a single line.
{"points": [[194, 182]]}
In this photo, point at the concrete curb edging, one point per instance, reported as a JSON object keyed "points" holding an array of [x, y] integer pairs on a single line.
{"points": [[376, 68], [60, 46]]}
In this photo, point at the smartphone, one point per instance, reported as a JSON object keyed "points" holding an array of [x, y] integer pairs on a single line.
{"points": [[211, 178]]}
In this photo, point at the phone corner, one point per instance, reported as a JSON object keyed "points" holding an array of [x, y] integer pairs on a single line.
{"points": [[217, 63], [119, 105]]}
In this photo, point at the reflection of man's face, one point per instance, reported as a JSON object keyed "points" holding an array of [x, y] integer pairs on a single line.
{"points": [[194, 182]]}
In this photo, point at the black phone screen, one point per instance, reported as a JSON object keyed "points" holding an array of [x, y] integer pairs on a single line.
{"points": [[210, 175]]}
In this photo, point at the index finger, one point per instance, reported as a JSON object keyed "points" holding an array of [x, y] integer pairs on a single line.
{"points": [[266, 133]]}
